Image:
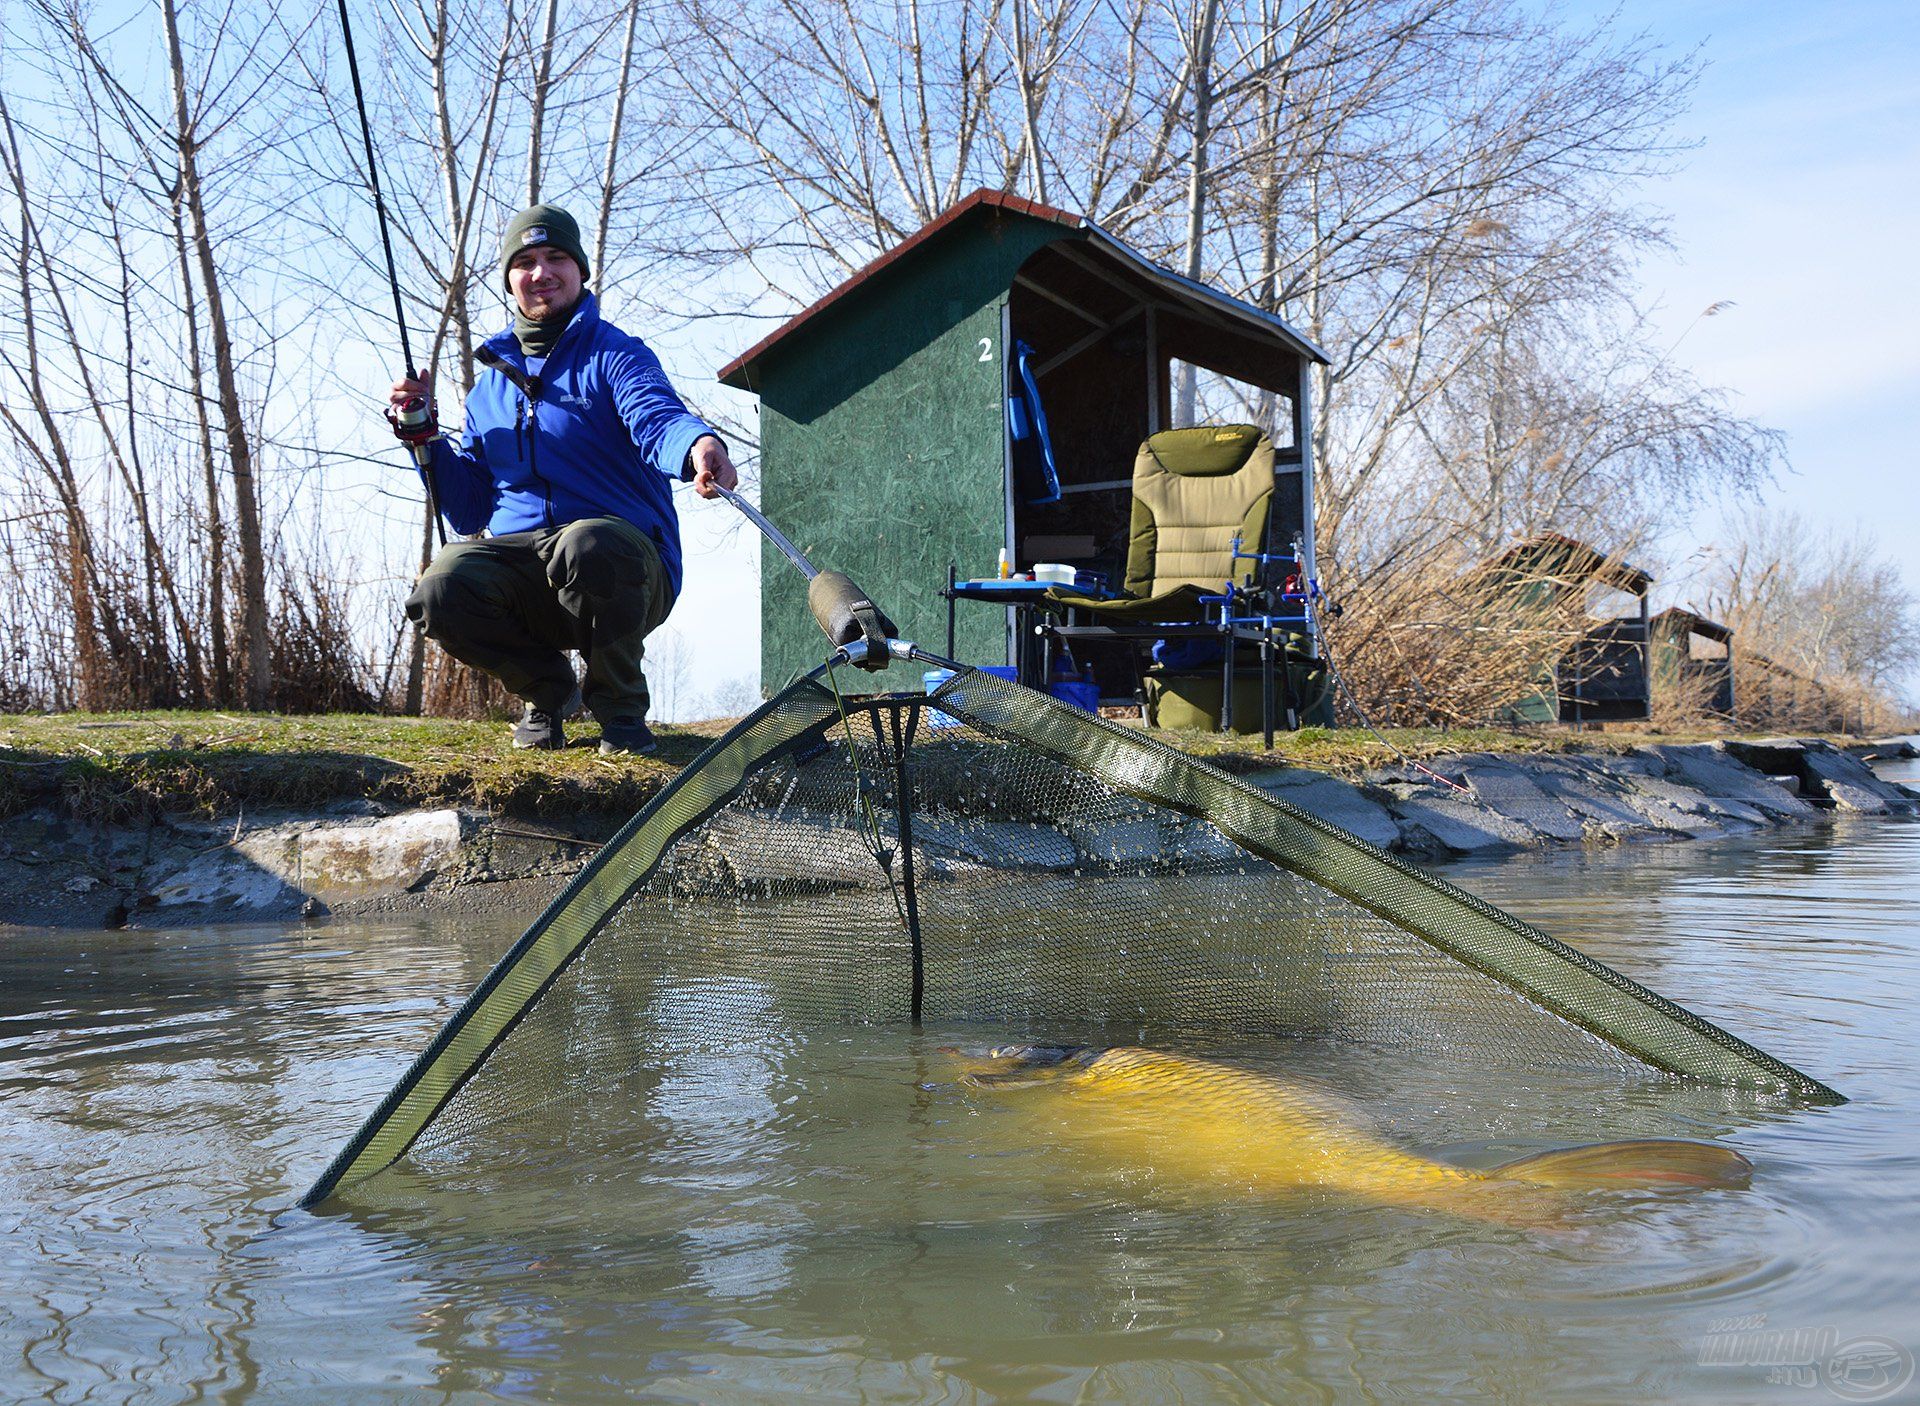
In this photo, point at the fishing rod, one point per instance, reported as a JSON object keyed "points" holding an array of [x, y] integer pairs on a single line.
{"points": [[412, 420], [853, 622]]}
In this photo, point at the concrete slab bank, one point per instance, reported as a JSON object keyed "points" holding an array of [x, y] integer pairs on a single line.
{"points": [[361, 856], [355, 856], [1656, 792]]}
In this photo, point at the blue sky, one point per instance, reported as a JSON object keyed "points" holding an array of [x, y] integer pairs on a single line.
{"points": [[1801, 204]]}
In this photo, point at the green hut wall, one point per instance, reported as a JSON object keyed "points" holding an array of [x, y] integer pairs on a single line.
{"points": [[886, 419]]}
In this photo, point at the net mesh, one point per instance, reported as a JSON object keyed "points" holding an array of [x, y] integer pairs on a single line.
{"points": [[989, 857]]}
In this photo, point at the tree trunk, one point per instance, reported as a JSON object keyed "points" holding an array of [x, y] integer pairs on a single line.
{"points": [[159, 576], [457, 209], [1029, 116], [613, 146], [455, 303], [253, 570], [1204, 31], [217, 646], [142, 507], [417, 644], [536, 119], [91, 623], [1267, 178]]}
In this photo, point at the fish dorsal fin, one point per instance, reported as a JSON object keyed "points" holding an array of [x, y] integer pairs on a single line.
{"points": [[1645, 1162]]}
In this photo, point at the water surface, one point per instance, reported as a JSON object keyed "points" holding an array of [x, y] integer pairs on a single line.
{"points": [[835, 1216]]}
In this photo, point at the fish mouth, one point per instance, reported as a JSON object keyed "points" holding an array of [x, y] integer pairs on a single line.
{"points": [[1015, 1066], [1037, 1056]]}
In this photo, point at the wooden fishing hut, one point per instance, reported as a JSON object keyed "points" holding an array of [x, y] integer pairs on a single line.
{"points": [[1693, 654], [1602, 676], [886, 448]]}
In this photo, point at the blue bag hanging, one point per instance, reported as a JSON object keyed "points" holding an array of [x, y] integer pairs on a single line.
{"points": [[1027, 427]]}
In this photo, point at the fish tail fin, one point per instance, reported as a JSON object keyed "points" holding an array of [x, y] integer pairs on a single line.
{"points": [[1644, 1162]]}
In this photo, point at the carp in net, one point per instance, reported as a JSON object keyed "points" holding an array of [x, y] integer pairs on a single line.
{"points": [[986, 856]]}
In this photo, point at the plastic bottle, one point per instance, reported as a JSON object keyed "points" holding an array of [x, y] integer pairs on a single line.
{"points": [[1006, 564]]}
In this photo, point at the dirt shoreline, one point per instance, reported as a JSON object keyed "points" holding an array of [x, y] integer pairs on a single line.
{"points": [[369, 854]]}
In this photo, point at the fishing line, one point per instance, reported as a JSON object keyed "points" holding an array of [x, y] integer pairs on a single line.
{"points": [[401, 422]]}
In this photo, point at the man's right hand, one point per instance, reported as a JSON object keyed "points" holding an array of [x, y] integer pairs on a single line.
{"points": [[409, 395]]}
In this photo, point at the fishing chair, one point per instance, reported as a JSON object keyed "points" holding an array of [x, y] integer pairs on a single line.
{"points": [[1197, 565]]}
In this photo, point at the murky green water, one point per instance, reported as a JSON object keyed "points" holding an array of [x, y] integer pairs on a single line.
{"points": [[834, 1217]]}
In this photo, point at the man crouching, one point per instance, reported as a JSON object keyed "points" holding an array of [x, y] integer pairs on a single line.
{"points": [[573, 438]]}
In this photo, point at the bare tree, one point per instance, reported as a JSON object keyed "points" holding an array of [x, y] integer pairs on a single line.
{"points": [[1825, 604], [537, 108], [1440, 191], [41, 438], [865, 121], [1197, 43], [123, 176], [609, 185], [668, 670], [142, 136], [453, 99], [216, 539], [188, 145], [457, 165]]}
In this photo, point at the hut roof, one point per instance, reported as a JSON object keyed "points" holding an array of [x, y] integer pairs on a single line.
{"points": [[1127, 263], [1550, 554], [1680, 620]]}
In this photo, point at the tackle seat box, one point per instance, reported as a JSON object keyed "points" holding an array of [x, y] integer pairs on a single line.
{"points": [[1188, 700]]}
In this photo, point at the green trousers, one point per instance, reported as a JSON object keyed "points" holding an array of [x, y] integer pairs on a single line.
{"points": [[512, 605]]}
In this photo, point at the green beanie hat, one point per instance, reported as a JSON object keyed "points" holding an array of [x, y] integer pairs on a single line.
{"points": [[543, 224]]}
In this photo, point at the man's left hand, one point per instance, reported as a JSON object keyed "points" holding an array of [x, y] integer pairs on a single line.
{"points": [[712, 469]]}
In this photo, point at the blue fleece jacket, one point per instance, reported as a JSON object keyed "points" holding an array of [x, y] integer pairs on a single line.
{"points": [[606, 437]]}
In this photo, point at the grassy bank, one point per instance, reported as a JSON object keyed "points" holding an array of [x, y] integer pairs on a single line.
{"points": [[123, 765], [113, 766]]}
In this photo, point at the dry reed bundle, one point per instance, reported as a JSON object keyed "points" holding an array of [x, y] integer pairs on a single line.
{"points": [[1452, 644]]}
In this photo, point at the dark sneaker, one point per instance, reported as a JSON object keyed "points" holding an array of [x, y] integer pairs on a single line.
{"points": [[539, 729], [626, 736]]}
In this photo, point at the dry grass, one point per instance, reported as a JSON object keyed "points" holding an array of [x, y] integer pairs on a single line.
{"points": [[1445, 647], [1682, 699], [1780, 702]]}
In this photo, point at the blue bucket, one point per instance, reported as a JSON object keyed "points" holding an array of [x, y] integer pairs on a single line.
{"points": [[1077, 694], [931, 680]]}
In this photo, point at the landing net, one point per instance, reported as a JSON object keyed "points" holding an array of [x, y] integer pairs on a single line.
{"points": [[988, 856]]}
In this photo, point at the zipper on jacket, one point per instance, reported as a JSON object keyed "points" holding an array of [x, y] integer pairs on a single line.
{"points": [[526, 420], [533, 459], [526, 414]]}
